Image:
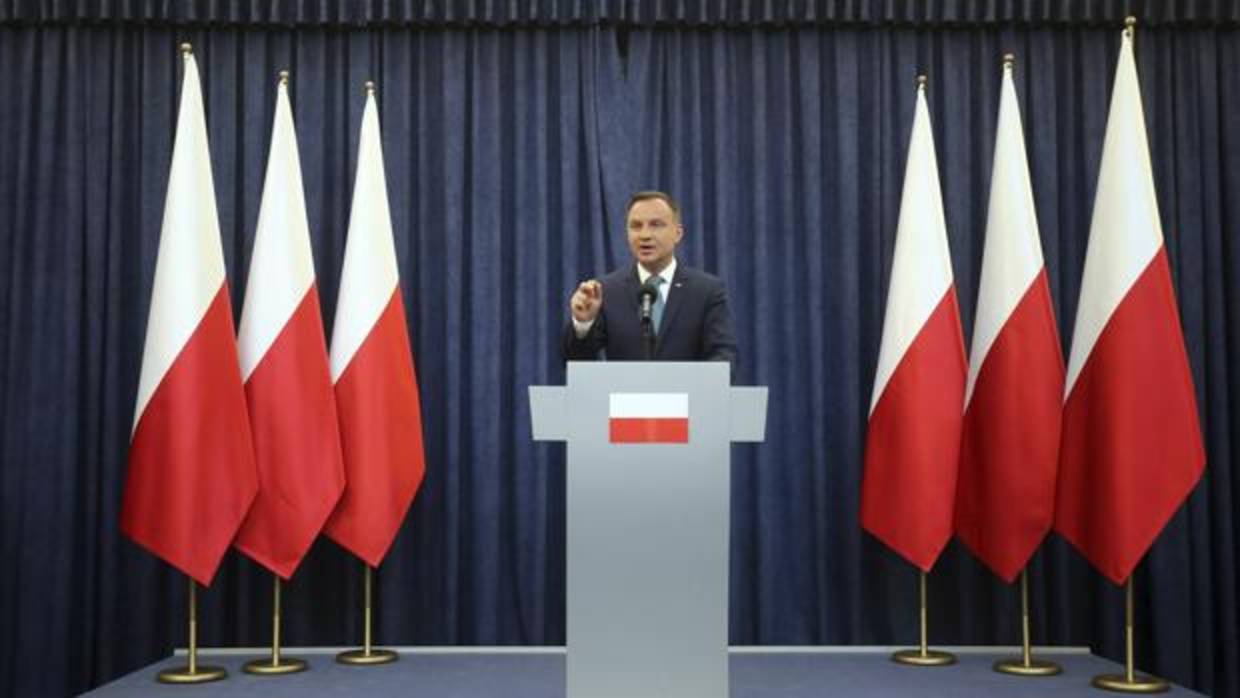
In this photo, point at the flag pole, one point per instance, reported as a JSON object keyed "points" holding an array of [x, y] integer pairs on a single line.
{"points": [[923, 656], [367, 655], [1026, 665], [192, 673], [276, 664], [1130, 681]]}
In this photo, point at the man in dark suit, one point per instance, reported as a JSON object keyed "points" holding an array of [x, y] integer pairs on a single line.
{"points": [[688, 319]]}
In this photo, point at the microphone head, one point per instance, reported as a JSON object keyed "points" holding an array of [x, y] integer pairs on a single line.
{"points": [[648, 290]]}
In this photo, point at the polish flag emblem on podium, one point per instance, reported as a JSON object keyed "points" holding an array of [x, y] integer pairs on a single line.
{"points": [[649, 418]]}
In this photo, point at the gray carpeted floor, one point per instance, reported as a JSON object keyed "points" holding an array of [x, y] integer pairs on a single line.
{"points": [[539, 673]]}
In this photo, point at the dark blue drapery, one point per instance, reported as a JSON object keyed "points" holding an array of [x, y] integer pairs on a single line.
{"points": [[512, 142]]}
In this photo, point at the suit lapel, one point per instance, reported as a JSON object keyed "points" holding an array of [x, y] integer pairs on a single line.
{"points": [[630, 289], [675, 298]]}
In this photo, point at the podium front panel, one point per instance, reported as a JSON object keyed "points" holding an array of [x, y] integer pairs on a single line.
{"points": [[648, 488]]}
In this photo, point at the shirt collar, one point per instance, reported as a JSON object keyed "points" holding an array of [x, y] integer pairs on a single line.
{"points": [[668, 273]]}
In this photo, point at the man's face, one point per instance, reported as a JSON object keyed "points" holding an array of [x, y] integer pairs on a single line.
{"points": [[653, 233]]}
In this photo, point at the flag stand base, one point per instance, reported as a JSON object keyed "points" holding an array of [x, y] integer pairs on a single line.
{"points": [[367, 655], [273, 667], [1130, 681], [1026, 665], [276, 664], [193, 672], [365, 658], [1035, 667], [184, 675], [1137, 684], [923, 657]]}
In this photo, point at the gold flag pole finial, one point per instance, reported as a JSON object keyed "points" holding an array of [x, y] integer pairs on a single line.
{"points": [[1130, 26], [921, 81], [1009, 61], [186, 49], [370, 87], [284, 77]]}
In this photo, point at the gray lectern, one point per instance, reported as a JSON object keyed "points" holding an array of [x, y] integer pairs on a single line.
{"points": [[648, 499]]}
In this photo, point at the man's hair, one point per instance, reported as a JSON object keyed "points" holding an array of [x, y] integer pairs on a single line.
{"points": [[652, 194]]}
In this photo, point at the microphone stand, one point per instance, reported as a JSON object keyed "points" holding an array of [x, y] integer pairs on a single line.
{"points": [[647, 307]]}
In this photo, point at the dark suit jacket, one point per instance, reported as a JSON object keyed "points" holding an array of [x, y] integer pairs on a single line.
{"points": [[696, 323]]}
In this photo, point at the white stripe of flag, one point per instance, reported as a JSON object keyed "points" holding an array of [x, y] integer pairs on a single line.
{"points": [[648, 405], [648, 418]]}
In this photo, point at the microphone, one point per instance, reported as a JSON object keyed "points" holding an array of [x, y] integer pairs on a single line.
{"points": [[647, 295]]}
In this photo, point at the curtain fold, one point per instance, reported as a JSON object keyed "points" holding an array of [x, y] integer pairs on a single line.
{"points": [[511, 150], [634, 13]]}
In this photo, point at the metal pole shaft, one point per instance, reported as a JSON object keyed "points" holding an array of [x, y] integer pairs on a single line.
{"points": [[366, 619], [193, 627], [924, 650], [275, 621], [1024, 616], [1129, 671]]}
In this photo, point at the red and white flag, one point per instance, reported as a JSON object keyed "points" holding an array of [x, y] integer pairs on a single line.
{"points": [[661, 418], [191, 472], [913, 438], [1009, 451], [372, 366], [1132, 448], [288, 382]]}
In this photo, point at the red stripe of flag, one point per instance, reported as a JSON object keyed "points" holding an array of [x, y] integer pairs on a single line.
{"points": [[296, 441], [913, 443], [191, 464], [381, 433], [634, 430], [1009, 453], [1132, 448]]}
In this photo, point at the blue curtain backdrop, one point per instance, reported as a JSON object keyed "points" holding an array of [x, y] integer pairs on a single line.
{"points": [[513, 134]]}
